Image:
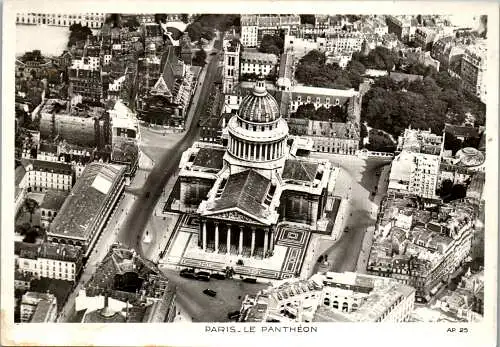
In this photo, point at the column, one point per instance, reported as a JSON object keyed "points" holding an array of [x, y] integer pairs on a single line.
{"points": [[204, 236], [260, 151], [272, 150], [266, 235], [252, 249], [268, 151], [239, 149], [216, 237], [240, 245], [271, 247], [228, 239], [254, 153]]}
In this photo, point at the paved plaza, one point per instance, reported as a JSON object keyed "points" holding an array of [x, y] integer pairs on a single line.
{"points": [[286, 261]]}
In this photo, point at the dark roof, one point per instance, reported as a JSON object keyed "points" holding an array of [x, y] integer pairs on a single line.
{"points": [[51, 166], [61, 252], [54, 199], [48, 148], [26, 250], [465, 131], [299, 170], [210, 158], [171, 68], [245, 190]]}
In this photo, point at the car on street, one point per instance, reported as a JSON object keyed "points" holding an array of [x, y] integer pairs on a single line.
{"points": [[346, 230], [187, 273], [148, 194], [210, 292], [250, 280], [203, 276], [213, 53], [233, 315], [218, 276]]}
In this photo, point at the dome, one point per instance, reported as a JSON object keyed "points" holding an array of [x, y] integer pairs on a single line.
{"points": [[259, 106], [470, 156]]}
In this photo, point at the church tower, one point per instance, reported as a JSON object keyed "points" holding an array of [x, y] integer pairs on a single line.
{"points": [[231, 70]]}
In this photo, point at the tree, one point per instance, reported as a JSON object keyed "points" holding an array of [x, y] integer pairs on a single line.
{"points": [[194, 31], [200, 58], [30, 205], [380, 142], [305, 111], [271, 44]]}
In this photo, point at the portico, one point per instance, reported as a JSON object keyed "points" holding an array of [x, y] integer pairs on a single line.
{"points": [[236, 238]]}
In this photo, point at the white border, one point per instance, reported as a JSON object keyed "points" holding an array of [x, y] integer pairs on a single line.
{"points": [[408, 334]]}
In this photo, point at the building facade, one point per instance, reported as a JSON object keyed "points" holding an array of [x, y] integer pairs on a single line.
{"points": [[49, 260], [42, 175], [257, 63], [91, 20], [473, 69]]}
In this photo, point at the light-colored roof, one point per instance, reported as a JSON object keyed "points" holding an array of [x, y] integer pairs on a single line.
{"points": [[324, 91], [87, 199]]}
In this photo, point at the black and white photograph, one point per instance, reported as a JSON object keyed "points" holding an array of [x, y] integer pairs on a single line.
{"points": [[257, 173]]}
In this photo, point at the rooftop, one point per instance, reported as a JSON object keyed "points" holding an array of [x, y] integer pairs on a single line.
{"points": [[50, 166], [300, 170], [348, 93], [61, 252], [211, 158], [245, 190], [86, 200]]}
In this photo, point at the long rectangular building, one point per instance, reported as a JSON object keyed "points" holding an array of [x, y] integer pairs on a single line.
{"points": [[89, 205]]}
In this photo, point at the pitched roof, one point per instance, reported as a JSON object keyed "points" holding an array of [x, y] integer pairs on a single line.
{"points": [[245, 190], [210, 158], [87, 199], [457, 130], [299, 170]]}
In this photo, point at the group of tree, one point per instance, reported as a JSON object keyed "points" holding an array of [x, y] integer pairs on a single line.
{"points": [[116, 20], [34, 55], [330, 114], [454, 144], [428, 103], [450, 191], [380, 58], [271, 44], [199, 58], [78, 33], [204, 25], [313, 70], [379, 141]]}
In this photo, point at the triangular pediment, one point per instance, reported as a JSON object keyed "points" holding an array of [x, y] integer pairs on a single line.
{"points": [[235, 215], [161, 86]]}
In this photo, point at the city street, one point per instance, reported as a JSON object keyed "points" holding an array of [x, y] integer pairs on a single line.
{"points": [[203, 308], [133, 212], [357, 180], [166, 165]]}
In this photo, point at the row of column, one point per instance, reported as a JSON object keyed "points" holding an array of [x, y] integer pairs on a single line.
{"points": [[268, 243], [256, 152]]}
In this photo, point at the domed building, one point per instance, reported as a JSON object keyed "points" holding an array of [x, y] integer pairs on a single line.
{"points": [[245, 192]]}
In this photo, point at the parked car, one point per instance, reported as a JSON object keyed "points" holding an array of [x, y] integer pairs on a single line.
{"points": [[210, 292], [250, 280], [203, 276], [233, 315], [148, 194], [187, 273], [218, 276], [346, 230]]}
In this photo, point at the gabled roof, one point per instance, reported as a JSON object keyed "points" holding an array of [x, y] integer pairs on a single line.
{"points": [[245, 190], [299, 170], [210, 158]]}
